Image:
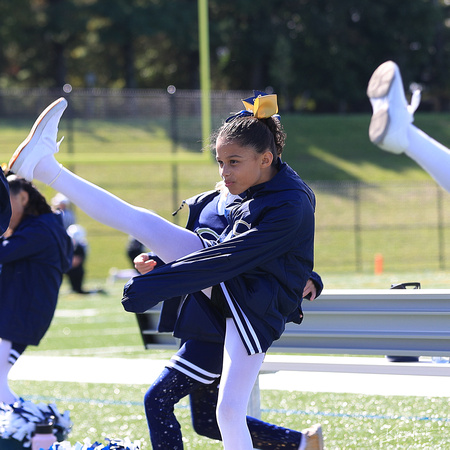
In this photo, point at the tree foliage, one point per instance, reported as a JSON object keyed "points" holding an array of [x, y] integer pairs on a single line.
{"points": [[317, 54]]}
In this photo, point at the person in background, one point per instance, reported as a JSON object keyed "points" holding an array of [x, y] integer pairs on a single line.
{"points": [[80, 245], [134, 248], [5, 205], [35, 251], [391, 127], [80, 252], [61, 203], [80, 249]]}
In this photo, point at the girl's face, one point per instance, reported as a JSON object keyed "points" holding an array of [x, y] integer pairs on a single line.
{"points": [[18, 203], [242, 167]]}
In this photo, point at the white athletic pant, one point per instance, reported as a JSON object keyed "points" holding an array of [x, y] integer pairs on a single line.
{"points": [[239, 373], [167, 240], [430, 155]]}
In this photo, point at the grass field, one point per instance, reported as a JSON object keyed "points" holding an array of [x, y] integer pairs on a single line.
{"points": [[96, 325], [320, 148], [397, 213]]}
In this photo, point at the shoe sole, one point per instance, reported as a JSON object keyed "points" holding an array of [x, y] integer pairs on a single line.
{"points": [[45, 116], [379, 86]]}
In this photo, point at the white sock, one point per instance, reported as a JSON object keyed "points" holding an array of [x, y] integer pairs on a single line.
{"points": [[430, 155], [47, 169], [167, 240]]}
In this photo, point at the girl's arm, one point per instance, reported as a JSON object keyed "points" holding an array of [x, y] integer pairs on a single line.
{"points": [[255, 248], [22, 243]]}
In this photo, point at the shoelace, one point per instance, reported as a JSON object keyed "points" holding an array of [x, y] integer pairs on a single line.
{"points": [[415, 101]]}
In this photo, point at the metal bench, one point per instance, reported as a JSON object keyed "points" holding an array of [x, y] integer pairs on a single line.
{"points": [[408, 322]]}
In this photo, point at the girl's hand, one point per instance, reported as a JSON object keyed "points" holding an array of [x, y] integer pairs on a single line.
{"points": [[143, 263], [310, 290]]}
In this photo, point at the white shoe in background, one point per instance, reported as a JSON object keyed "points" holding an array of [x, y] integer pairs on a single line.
{"points": [[391, 113]]}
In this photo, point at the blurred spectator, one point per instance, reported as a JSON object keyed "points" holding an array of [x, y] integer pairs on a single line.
{"points": [[61, 203], [134, 248], [80, 251], [35, 251]]}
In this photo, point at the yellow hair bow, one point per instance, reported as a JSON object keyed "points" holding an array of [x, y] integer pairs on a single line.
{"points": [[261, 105]]}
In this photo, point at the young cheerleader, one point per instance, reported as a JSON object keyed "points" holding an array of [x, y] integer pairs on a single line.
{"points": [[391, 125], [196, 367], [259, 266], [34, 157], [35, 251]]}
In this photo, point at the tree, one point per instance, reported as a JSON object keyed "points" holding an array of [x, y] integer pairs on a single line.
{"points": [[316, 54]]}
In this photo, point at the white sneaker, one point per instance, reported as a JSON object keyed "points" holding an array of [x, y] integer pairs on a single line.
{"points": [[40, 142], [314, 438], [391, 113]]}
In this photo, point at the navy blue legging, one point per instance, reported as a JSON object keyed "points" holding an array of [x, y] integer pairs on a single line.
{"points": [[165, 432]]}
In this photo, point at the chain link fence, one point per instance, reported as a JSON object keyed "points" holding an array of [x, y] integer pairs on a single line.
{"points": [[405, 226]]}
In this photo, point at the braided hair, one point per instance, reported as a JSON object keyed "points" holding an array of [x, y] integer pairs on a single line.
{"points": [[37, 204]]}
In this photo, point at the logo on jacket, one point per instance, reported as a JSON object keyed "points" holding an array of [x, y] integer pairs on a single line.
{"points": [[240, 226], [207, 233]]}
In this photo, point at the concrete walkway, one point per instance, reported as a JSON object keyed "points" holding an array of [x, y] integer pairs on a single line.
{"points": [[330, 374]]}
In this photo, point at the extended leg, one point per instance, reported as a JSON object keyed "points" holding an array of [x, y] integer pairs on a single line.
{"points": [[167, 240], [391, 125], [430, 155], [34, 158]]}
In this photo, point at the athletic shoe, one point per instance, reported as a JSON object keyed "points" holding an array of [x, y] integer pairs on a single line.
{"points": [[40, 142], [314, 438], [391, 113]]}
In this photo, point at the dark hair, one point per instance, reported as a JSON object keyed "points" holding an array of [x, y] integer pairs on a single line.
{"points": [[261, 134], [37, 204]]}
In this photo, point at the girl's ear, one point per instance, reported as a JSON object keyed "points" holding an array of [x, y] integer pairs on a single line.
{"points": [[24, 197], [266, 160]]}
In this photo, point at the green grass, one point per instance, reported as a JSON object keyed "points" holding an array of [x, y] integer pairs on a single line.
{"points": [[398, 216], [330, 148], [320, 148], [97, 325], [348, 421]]}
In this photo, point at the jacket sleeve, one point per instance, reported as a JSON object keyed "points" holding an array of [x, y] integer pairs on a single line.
{"points": [[317, 279], [207, 267], [24, 242]]}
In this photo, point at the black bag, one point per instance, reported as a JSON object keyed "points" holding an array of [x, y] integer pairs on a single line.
{"points": [[414, 285]]}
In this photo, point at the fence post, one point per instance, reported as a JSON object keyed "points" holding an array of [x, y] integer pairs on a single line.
{"points": [[67, 89], [440, 229], [171, 90], [357, 226]]}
